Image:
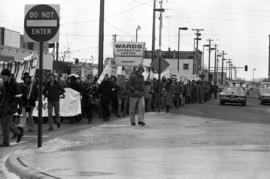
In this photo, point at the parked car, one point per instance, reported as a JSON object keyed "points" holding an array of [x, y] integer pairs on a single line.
{"points": [[265, 95], [233, 94]]}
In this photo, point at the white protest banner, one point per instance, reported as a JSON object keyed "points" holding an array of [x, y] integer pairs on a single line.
{"points": [[69, 106], [105, 72], [18, 68], [128, 53]]}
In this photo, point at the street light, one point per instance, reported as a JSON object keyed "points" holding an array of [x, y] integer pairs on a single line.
{"points": [[137, 29], [253, 73], [178, 53]]}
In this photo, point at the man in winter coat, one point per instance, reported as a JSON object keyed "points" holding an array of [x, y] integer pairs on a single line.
{"points": [[8, 107], [53, 90], [136, 91]]}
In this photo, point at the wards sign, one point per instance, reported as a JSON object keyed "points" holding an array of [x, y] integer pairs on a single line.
{"points": [[128, 49], [128, 53], [41, 22]]}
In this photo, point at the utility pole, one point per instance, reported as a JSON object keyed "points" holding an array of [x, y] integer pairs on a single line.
{"points": [[114, 37], [195, 60], [215, 67], [209, 57], [231, 65], [229, 61], [198, 34], [235, 72], [223, 53], [154, 30], [269, 58], [101, 38], [161, 10], [57, 56]]}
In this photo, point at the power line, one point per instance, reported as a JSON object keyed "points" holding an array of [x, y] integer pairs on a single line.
{"points": [[128, 10], [114, 15], [117, 28]]}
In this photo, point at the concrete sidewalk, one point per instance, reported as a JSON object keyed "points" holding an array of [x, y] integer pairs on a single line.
{"points": [[170, 146]]}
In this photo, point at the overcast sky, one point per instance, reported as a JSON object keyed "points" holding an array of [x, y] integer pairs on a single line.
{"points": [[239, 27]]}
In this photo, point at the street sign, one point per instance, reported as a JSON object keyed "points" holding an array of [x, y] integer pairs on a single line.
{"points": [[41, 23], [163, 64]]}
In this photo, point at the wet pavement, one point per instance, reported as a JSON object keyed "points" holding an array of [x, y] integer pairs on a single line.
{"points": [[30, 140], [170, 146]]}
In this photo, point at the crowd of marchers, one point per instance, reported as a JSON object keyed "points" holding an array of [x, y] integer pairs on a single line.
{"points": [[111, 98], [101, 100]]}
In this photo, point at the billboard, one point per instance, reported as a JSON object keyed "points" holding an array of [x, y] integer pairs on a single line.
{"points": [[128, 53]]}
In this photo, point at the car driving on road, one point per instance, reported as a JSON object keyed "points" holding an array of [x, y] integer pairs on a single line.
{"points": [[233, 94], [264, 95]]}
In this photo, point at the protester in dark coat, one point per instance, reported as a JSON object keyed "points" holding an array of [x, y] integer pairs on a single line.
{"points": [[105, 92], [136, 91], [88, 101], [74, 84], [28, 101], [114, 93], [53, 90], [169, 93], [8, 107]]}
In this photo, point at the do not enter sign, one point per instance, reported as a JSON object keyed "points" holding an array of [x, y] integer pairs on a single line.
{"points": [[41, 23]]}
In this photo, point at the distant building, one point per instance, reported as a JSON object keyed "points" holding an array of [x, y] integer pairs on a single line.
{"points": [[13, 47], [189, 62], [9, 38]]}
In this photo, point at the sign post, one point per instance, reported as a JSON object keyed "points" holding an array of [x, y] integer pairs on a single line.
{"points": [[159, 64], [41, 24]]}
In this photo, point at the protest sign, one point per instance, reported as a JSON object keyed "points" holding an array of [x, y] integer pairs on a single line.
{"points": [[19, 67]]}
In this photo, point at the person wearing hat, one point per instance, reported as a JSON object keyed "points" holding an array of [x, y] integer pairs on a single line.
{"points": [[28, 101], [136, 91], [53, 90], [8, 107]]}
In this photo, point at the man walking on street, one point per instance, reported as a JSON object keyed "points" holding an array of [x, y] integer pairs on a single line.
{"points": [[8, 107], [52, 91], [136, 89], [28, 101]]}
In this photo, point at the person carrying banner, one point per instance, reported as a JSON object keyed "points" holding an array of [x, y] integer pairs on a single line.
{"points": [[28, 101], [136, 89], [8, 107], [52, 91]]}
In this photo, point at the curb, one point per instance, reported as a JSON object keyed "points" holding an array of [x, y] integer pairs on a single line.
{"points": [[15, 165]]}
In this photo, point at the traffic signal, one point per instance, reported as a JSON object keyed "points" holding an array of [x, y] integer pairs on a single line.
{"points": [[246, 68], [51, 45]]}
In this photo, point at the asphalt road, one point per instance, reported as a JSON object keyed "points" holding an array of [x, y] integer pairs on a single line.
{"points": [[253, 112], [195, 141]]}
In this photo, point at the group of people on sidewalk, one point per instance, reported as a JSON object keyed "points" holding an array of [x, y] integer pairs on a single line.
{"points": [[133, 96], [21, 99]]}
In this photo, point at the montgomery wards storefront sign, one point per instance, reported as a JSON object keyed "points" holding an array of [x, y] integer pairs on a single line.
{"points": [[128, 53]]}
